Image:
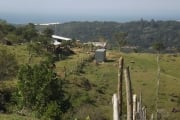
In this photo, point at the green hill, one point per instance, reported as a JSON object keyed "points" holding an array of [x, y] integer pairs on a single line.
{"points": [[140, 33], [91, 86], [87, 86]]}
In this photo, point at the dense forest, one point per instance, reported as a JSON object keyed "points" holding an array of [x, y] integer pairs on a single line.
{"points": [[141, 33]]}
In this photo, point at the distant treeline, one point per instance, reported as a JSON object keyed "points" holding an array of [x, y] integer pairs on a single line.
{"points": [[141, 33]]}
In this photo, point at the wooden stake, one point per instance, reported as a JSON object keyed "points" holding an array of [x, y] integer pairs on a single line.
{"points": [[152, 116], [120, 84], [145, 113], [138, 111], [140, 107], [134, 106], [115, 107], [128, 94], [143, 117]]}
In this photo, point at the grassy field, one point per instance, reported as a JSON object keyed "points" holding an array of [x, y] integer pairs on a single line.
{"points": [[143, 67], [15, 117], [92, 88]]}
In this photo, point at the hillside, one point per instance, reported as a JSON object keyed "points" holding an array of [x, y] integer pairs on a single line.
{"points": [[39, 80], [92, 86], [140, 33], [103, 81]]}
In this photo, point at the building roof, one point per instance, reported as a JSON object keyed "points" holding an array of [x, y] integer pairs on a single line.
{"points": [[46, 24], [61, 38]]}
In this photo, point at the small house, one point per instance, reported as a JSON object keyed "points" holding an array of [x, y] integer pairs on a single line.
{"points": [[100, 55]]}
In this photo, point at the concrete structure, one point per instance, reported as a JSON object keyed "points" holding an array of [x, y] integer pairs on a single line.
{"points": [[100, 55]]}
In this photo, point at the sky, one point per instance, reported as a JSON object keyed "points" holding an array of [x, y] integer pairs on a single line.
{"points": [[22, 11]]}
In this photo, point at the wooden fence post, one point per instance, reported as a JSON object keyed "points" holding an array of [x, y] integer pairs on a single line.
{"points": [[134, 106], [120, 84], [152, 116], [143, 117], [140, 106], [115, 107], [138, 111], [128, 94]]}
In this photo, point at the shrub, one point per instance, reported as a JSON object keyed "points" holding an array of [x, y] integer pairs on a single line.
{"points": [[40, 89], [8, 64]]}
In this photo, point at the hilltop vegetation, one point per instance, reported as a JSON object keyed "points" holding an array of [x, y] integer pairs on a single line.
{"points": [[140, 33]]}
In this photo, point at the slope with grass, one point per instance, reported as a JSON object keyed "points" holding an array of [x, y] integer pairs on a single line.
{"points": [[103, 81], [91, 88]]}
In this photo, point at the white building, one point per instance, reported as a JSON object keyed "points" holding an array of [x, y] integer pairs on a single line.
{"points": [[58, 39]]}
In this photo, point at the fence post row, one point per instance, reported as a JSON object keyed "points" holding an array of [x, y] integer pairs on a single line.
{"points": [[120, 84], [135, 109], [128, 94]]}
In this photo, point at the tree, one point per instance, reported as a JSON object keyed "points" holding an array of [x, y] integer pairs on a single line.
{"points": [[5, 28], [158, 46], [121, 39], [29, 32], [14, 38], [34, 48], [48, 32], [39, 89], [8, 63], [43, 40]]}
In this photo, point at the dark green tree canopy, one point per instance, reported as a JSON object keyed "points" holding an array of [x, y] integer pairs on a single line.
{"points": [[158, 46], [120, 37], [41, 90], [48, 32]]}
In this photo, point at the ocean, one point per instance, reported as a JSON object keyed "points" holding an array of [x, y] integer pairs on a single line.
{"points": [[39, 19]]}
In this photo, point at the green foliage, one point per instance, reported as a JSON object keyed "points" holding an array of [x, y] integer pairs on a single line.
{"points": [[140, 33], [158, 46], [14, 38], [8, 63], [45, 41], [66, 43], [29, 32], [34, 48], [40, 89], [52, 112], [121, 39], [5, 27], [40, 47], [26, 33], [48, 32], [17, 34]]}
